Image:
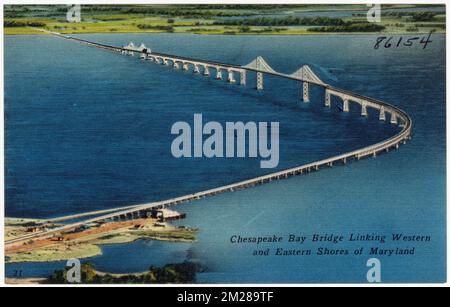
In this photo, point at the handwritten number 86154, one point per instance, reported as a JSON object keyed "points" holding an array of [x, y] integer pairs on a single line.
{"points": [[391, 42]]}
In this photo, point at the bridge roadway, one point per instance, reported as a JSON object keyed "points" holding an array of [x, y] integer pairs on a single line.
{"points": [[182, 58], [371, 150]]}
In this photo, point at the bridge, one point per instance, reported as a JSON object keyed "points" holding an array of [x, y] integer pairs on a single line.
{"points": [[304, 75]]}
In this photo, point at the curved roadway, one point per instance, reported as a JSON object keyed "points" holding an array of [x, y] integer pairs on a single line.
{"points": [[392, 142]]}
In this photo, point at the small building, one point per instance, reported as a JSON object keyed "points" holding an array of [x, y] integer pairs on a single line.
{"points": [[33, 229], [164, 214], [57, 237]]}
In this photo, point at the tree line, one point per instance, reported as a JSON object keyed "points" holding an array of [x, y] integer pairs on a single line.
{"points": [[324, 24], [412, 16], [180, 273], [14, 23], [356, 27], [168, 28], [286, 21]]}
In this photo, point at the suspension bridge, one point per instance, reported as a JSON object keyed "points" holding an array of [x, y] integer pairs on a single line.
{"points": [[238, 74]]}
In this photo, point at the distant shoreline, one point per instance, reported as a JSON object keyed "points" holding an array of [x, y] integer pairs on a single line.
{"points": [[235, 34], [247, 20]]}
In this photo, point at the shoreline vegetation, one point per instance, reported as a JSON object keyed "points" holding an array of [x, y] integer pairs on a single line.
{"points": [[176, 273], [85, 243], [224, 19]]}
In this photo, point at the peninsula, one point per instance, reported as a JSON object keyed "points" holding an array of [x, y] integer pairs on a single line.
{"points": [[85, 241]]}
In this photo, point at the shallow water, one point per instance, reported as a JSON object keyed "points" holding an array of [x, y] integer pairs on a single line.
{"points": [[118, 258]]}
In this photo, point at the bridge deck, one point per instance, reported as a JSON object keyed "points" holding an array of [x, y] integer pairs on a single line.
{"points": [[394, 141]]}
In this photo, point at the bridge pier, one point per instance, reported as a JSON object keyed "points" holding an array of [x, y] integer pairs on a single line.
{"points": [[165, 62], [196, 69], [394, 118], [231, 77], [176, 65], [259, 81], [185, 66], [327, 99], [382, 114], [363, 109], [243, 77], [206, 71], [143, 56], [218, 74], [305, 91], [345, 106]]}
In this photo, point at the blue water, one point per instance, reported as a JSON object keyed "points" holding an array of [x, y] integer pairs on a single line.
{"points": [[88, 129], [344, 13], [133, 257]]}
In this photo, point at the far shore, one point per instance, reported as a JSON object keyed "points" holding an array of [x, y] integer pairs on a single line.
{"points": [[274, 33], [225, 20]]}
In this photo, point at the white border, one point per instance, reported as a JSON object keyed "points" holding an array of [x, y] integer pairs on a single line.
{"points": [[2, 204]]}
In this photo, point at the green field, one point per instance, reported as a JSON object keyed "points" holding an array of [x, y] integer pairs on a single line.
{"points": [[215, 20]]}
